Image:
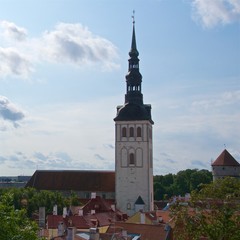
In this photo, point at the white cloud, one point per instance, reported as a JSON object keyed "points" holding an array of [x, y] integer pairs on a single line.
{"points": [[13, 32], [13, 62], [10, 112], [213, 12], [62, 136], [75, 44], [217, 101], [66, 43]]}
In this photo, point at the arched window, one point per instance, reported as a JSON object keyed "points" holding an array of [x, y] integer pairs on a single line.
{"points": [[131, 132], [131, 159], [124, 132], [139, 132]]}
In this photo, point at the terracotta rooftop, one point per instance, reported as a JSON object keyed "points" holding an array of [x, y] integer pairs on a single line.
{"points": [[77, 180], [72, 221], [98, 204], [147, 231], [225, 159]]}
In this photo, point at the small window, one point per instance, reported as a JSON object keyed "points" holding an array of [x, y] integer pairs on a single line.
{"points": [[131, 132], [139, 132], [129, 206], [131, 159], [124, 132]]}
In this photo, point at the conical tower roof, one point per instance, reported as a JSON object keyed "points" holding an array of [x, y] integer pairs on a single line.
{"points": [[225, 159]]}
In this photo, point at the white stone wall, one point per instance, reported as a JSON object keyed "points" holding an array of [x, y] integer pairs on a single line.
{"points": [[133, 179]]}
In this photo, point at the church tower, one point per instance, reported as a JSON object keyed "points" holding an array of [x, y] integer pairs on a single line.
{"points": [[133, 143]]}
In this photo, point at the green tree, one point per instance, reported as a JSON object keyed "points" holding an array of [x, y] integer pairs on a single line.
{"points": [[74, 200], [14, 224], [200, 177], [159, 191], [214, 212], [181, 183]]}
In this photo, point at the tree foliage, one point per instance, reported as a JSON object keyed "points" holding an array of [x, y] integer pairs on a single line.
{"points": [[181, 183], [14, 223], [213, 212], [18, 205], [31, 199]]}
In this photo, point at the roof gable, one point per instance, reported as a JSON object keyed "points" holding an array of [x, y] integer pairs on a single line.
{"points": [[225, 159]]}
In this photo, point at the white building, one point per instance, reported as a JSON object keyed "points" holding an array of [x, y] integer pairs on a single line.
{"points": [[133, 144]]}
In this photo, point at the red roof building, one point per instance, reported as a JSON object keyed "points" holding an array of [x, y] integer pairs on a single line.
{"points": [[225, 165], [80, 181]]}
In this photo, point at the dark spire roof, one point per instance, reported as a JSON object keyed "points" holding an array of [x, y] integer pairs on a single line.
{"points": [[225, 159], [139, 201], [134, 108], [133, 51]]}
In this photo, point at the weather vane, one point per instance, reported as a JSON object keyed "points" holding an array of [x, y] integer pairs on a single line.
{"points": [[133, 16]]}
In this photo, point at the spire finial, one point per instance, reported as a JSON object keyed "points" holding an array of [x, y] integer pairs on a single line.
{"points": [[133, 51], [133, 17]]}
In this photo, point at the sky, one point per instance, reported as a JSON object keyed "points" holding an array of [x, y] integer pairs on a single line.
{"points": [[62, 74]]}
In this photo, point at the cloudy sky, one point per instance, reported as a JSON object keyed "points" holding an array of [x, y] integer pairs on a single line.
{"points": [[62, 74]]}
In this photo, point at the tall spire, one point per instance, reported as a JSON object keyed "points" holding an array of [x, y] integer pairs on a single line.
{"points": [[133, 108], [133, 77], [133, 52]]}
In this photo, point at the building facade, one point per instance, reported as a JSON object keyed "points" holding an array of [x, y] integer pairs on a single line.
{"points": [[133, 143], [225, 166]]}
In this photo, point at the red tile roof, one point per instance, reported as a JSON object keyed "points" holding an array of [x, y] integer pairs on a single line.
{"points": [[53, 221], [225, 159], [147, 231], [61, 180], [98, 204], [73, 221]]}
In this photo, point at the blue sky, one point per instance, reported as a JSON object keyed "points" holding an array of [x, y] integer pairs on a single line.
{"points": [[62, 74]]}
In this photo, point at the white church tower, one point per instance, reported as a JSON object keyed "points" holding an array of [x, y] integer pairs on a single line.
{"points": [[133, 144]]}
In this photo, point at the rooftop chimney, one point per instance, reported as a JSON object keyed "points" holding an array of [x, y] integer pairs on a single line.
{"points": [[142, 217], [80, 212], [93, 195], [42, 217], [70, 233], [55, 211], [94, 234], [64, 212]]}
